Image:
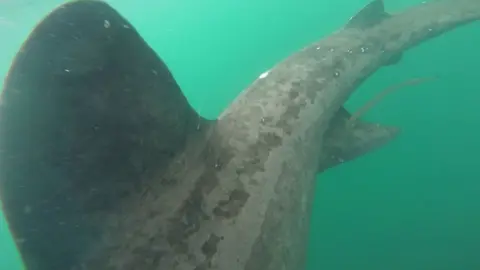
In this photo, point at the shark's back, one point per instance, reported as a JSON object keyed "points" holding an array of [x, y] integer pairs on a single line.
{"points": [[105, 165]]}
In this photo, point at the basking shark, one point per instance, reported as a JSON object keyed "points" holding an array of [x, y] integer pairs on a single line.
{"points": [[105, 165]]}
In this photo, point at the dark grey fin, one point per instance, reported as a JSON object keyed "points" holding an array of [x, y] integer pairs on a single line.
{"points": [[346, 140], [89, 113], [395, 59], [370, 15]]}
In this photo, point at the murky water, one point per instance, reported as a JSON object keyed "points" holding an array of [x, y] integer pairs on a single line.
{"points": [[410, 205]]}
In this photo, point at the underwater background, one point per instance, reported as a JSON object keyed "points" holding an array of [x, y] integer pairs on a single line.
{"points": [[413, 204]]}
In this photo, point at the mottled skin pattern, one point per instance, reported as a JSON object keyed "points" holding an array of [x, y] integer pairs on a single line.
{"points": [[279, 119], [234, 194]]}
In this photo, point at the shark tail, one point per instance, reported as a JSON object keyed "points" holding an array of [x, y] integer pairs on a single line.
{"points": [[89, 113]]}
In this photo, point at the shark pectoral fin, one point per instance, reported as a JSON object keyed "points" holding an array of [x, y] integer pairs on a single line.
{"points": [[370, 15], [89, 114], [346, 140]]}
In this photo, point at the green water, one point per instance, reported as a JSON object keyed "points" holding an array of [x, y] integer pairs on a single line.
{"points": [[410, 205]]}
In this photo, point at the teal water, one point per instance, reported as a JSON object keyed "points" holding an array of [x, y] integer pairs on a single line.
{"points": [[410, 205]]}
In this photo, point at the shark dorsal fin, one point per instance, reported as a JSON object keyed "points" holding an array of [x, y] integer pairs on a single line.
{"points": [[370, 15], [344, 142], [89, 113]]}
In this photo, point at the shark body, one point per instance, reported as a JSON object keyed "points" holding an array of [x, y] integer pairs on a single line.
{"points": [[105, 165]]}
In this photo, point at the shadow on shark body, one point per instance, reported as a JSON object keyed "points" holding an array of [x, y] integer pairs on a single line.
{"points": [[105, 165]]}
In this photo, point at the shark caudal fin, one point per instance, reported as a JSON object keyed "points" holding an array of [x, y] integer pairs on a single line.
{"points": [[89, 113], [371, 15], [346, 140]]}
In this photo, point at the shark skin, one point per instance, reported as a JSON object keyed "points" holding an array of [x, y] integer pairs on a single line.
{"points": [[105, 165]]}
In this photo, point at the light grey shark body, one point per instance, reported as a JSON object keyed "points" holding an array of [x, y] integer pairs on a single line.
{"points": [[106, 166]]}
